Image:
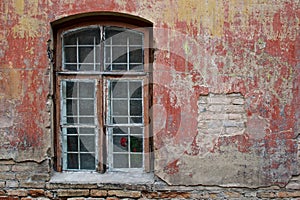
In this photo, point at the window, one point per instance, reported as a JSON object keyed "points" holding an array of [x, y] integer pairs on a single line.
{"points": [[102, 97]]}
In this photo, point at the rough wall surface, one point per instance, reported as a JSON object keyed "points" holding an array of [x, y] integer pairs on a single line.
{"points": [[202, 48]]}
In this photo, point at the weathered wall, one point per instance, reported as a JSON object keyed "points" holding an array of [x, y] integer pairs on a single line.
{"points": [[249, 48]]}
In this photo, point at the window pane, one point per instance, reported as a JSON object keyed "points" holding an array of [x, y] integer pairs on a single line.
{"points": [[86, 131], [119, 107], [86, 55], [72, 131], [72, 143], [120, 130], [71, 89], [86, 36], [71, 67], [119, 89], [87, 161], [86, 107], [70, 55], [136, 131], [87, 144], [119, 55], [136, 160], [136, 120], [120, 120], [135, 55], [72, 107], [86, 90], [120, 161], [136, 107], [135, 89], [120, 143], [86, 120], [72, 161], [136, 144]]}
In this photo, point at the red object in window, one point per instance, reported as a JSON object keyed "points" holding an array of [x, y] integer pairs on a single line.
{"points": [[123, 142]]}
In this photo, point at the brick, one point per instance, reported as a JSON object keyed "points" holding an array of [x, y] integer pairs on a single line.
{"points": [[39, 198], [7, 176], [232, 194], [234, 109], [8, 198], [122, 193], [289, 194], [18, 192], [266, 195], [2, 184], [12, 184], [180, 195], [238, 101], [74, 193], [98, 193], [112, 198], [219, 99], [30, 184], [40, 177], [36, 192], [5, 168]]}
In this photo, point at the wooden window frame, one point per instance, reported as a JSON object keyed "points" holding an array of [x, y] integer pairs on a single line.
{"points": [[101, 76]]}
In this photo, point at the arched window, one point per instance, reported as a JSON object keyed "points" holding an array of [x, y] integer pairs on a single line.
{"points": [[102, 96]]}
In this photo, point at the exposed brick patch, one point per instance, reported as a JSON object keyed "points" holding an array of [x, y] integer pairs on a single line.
{"points": [[221, 114]]}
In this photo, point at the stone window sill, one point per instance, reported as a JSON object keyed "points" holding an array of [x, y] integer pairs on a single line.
{"points": [[97, 178]]}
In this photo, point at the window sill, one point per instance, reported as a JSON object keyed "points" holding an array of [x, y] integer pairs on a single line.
{"points": [[97, 178]]}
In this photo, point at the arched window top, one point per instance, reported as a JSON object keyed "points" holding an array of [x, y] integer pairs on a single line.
{"points": [[100, 17]]}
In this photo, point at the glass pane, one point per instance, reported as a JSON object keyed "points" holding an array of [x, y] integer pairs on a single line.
{"points": [[119, 89], [135, 55], [71, 67], [136, 67], [136, 144], [86, 107], [120, 161], [118, 67], [120, 130], [119, 107], [136, 160], [86, 120], [116, 35], [71, 107], [136, 107], [87, 144], [135, 89], [136, 131], [86, 90], [135, 38], [137, 120], [72, 131], [72, 143], [87, 161], [120, 143], [72, 161], [86, 131], [70, 55], [85, 36], [119, 54], [86, 67], [86, 55], [72, 120], [120, 120], [71, 89]]}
